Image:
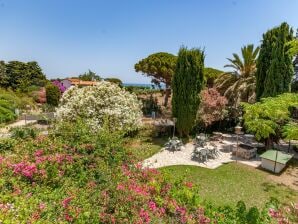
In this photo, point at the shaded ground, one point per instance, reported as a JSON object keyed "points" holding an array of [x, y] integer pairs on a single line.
{"points": [[289, 177]]}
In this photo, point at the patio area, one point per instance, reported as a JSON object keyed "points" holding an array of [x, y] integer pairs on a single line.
{"points": [[185, 157]]}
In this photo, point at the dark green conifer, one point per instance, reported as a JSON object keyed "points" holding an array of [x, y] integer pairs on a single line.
{"points": [[274, 65], [188, 80]]}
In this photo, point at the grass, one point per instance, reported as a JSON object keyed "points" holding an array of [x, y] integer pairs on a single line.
{"points": [[233, 182], [225, 185], [144, 145]]}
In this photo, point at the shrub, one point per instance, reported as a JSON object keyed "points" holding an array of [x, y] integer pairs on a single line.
{"points": [[23, 132], [212, 106], [150, 104], [53, 94], [103, 102], [115, 81], [7, 144]]}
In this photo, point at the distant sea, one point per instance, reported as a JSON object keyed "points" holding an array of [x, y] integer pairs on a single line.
{"points": [[151, 86]]}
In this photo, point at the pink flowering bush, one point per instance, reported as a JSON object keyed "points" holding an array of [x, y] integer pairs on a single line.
{"points": [[212, 106], [60, 85]]}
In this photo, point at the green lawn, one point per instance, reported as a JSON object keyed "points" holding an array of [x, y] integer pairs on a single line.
{"points": [[143, 145], [233, 182], [227, 184]]}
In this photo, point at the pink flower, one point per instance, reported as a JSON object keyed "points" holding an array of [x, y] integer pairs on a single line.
{"points": [[144, 215], [1, 159], [120, 187], [66, 202], [138, 189], [67, 217], [25, 169], [152, 205], [42, 206], [38, 153], [273, 213], [189, 184]]}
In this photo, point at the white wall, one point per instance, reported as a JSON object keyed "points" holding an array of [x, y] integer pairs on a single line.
{"points": [[269, 165]]}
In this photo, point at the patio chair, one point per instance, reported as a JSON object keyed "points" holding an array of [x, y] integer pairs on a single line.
{"points": [[204, 154], [215, 151]]}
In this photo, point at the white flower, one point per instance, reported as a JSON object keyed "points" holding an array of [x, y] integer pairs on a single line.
{"points": [[94, 104]]}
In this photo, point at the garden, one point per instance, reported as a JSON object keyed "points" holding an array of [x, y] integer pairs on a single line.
{"points": [[90, 165]]}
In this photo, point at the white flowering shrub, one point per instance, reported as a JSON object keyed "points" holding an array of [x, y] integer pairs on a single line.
{"points": [[95, 105]]}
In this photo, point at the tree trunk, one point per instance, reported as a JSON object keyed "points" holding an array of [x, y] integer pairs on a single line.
{"points": [[167, 95], [269, 143]]}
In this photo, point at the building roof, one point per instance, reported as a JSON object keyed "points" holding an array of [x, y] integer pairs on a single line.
{"points": [[75, 81], [282, 157]]}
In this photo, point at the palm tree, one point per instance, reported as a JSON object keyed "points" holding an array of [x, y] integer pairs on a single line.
{"points": [[239, 85]]}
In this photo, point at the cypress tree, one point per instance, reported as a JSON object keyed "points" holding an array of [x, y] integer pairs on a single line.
{"points": [[188, 80], [274, 65]]}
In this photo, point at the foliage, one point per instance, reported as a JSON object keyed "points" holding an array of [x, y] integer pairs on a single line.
{"points": [[6, 112], [294, 86], [3, 75], [114, 80], [239, 85], [94, 179], [89, 76], [23, 132], [160, 67], [95, 104], [212, 106], [187, 84], [290, 131], [9, 102], [53, 94], [274, 65], [150, 104], [139, 90], [266, 118], [210, 74], [21, 76], [293, 47], [7, 144], [247, 66]]}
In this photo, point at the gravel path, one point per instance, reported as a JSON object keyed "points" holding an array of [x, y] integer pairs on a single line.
{"points": [[184, 157]]}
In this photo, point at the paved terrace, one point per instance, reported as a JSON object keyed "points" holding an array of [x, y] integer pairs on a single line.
{"points": [[184, 157]]}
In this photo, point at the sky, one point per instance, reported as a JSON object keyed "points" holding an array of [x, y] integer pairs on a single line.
{"points": [[68, 37]]}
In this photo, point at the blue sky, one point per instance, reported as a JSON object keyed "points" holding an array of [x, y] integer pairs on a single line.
{"points": [[68, 37]]}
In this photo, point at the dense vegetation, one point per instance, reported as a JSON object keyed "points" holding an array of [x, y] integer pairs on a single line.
{"points": [[266, 119], [21, 76], [88, 170], [53, 94], [78, 177], [187, 83], [274, 65], [105, 102], [160, 66], [10, 102], [89, 76], [114, 80], [239, 85]]}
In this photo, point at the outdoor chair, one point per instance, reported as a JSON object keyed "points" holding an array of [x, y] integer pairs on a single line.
{"points": [[174, 144], [204, 154], [214, 151]]}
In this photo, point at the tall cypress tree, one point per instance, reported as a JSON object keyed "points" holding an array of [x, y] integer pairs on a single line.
{"points": [[186, 85], [274, 65]]}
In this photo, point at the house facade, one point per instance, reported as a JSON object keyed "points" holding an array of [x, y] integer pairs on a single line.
{"points": [[77, 82]]}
